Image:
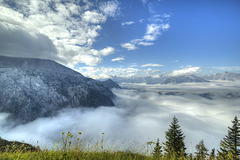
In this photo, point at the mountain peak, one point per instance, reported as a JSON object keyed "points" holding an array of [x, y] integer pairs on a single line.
{"points": [[110, 84], [32, 88], [35, 64]]}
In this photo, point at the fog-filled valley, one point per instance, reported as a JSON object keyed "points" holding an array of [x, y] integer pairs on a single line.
{"points": [[110, 79], [141, 114]]}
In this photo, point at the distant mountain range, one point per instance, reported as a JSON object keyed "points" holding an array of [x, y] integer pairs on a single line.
{"points": [[229, 76], [163, 79], [182, 79], [32, 88], [166, 79]]}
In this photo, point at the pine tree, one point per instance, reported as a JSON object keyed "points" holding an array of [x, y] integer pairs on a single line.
{"points": [[230, 145], [190, 156], [212, 154], [157, 152], [174, 145], [201, 150]]}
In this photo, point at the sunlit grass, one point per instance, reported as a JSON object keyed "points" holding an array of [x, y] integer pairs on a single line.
{"points": [[70, 147]]}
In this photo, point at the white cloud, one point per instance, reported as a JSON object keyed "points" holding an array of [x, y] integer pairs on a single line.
{"points": [[110, 8], [107, 51], [165, 27], [159, 18], [145, 43], [10, 16], [118, 59], [152, 65], [127, 23], [153, 31], [186, 71], [150, 37], [129, 46], [70, 30], [93, 17], [102, 72], [119, 72]]}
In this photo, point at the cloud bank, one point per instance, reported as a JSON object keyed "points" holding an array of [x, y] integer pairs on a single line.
{"points": [[61, 31], [119, 72], [140, 115], [186, 71]]}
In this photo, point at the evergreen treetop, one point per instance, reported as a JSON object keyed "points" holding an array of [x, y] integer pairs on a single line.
{"points": [[201, 150], [230, 145], [174, 139], [157, 152]]}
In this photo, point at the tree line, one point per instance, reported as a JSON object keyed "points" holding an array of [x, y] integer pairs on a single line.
{"points": [[174, 147]]}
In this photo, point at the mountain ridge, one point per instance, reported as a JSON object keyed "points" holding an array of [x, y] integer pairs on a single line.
{"points": [[228, 76], [32, 88]]}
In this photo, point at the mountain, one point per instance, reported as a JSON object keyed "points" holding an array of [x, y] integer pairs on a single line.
{"points": [[110, 84], [181, 79], [161, 79], [176, 79], [229, 76], [32, 88]]}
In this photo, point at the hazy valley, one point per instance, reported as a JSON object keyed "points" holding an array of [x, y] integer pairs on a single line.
{"points": [[141, 112]]}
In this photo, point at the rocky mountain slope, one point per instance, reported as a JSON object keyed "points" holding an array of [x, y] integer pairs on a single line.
{"points": [[111, 84], [32, 88]]}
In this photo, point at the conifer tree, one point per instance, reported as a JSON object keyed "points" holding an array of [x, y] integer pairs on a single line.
{"points": [[230, 145], [174, 145], [201, 150], [190, 156], [212, 154], [157, 152]]}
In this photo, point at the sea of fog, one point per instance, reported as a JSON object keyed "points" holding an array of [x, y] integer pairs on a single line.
{"points": [[141, 114]]}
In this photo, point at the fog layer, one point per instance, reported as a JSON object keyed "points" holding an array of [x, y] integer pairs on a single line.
{"points": [[142, 114]]}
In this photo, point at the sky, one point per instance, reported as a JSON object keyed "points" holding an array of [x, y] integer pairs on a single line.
{"points": [[103, 39]]}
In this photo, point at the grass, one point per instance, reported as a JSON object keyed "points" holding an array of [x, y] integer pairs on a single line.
{"points": [[71, 148], [68, 149], [65, 155]]}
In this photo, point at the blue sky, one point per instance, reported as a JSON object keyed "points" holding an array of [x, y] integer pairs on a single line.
{"points": [[109, 38]]}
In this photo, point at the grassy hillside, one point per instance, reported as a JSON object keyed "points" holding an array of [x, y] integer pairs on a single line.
{"points": [[14, 146], [71, 148], [65, 155]]}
